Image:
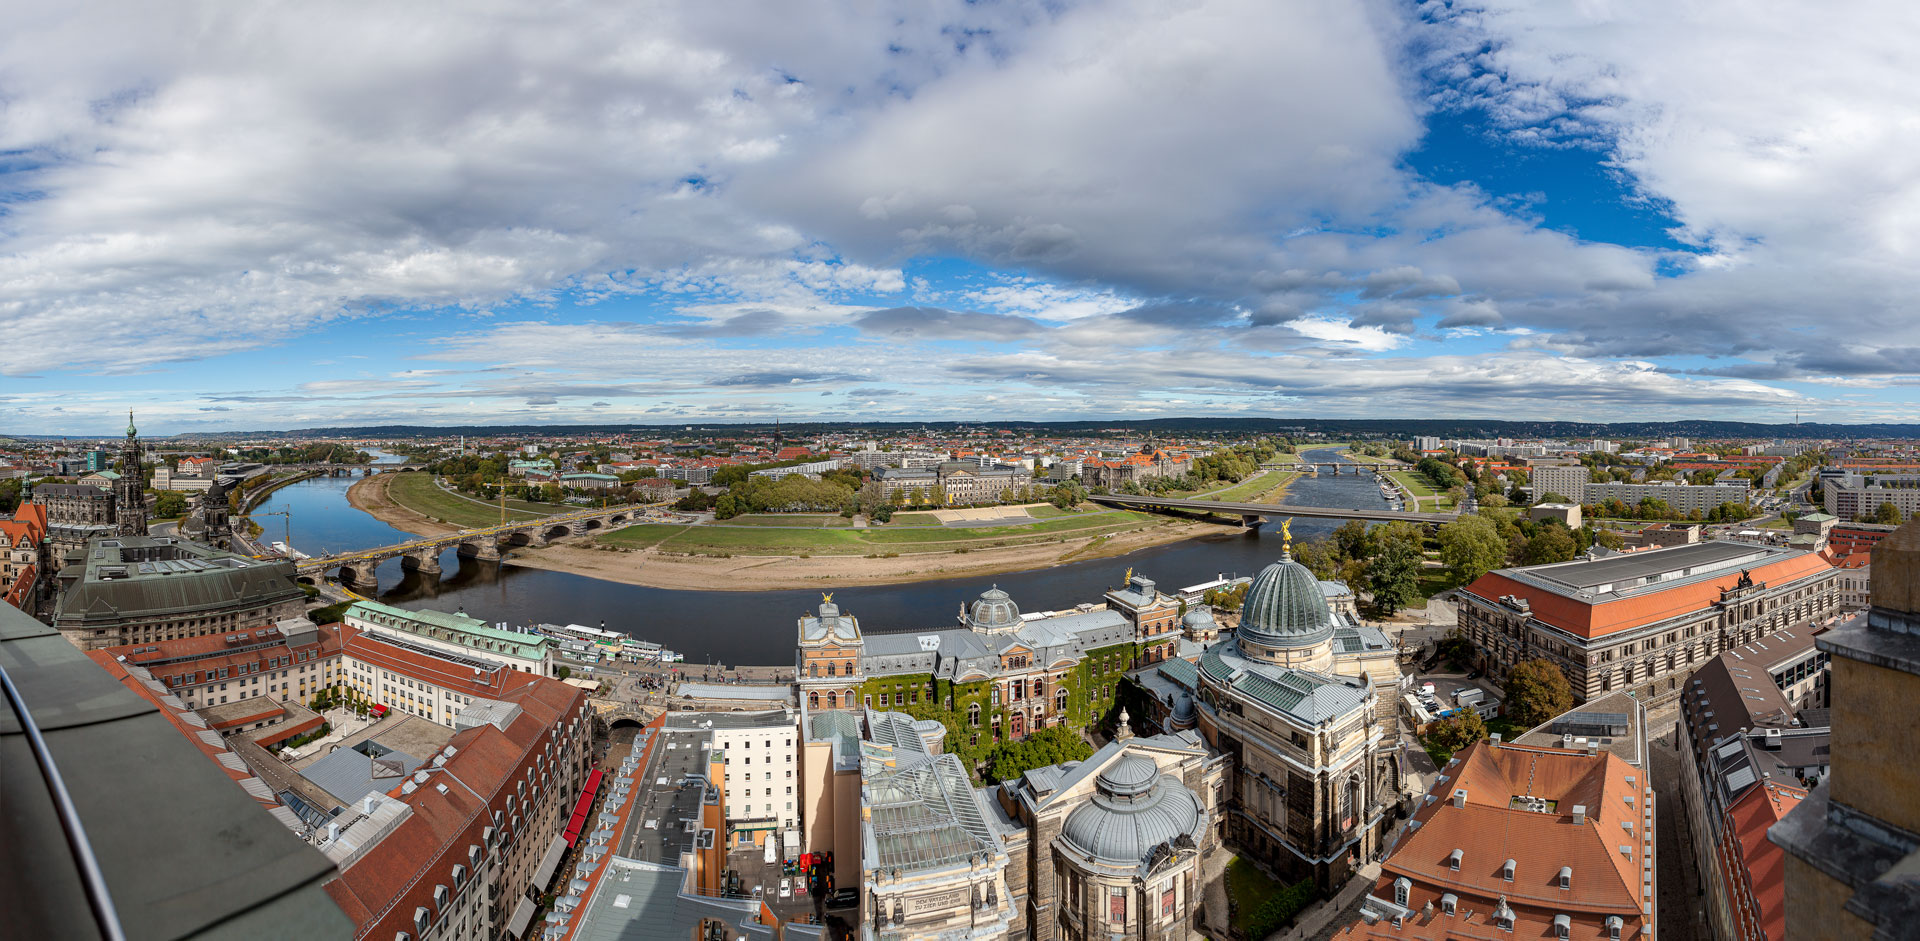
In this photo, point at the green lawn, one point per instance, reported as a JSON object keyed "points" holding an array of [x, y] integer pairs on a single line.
{"points": [[809, 520], [1247, 490], [640, 535], [1047, 511], [418, 492], [913, 519], [786, 540], [1247, 887]]}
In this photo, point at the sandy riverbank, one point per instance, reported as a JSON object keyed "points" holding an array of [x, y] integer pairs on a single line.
{"points": [[653, 569], [369, 494]]}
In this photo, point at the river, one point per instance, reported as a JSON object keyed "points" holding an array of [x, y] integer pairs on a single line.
{"points": [[758, 627]]}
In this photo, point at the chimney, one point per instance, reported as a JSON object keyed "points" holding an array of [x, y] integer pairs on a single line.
{"points": [[1460, 797], [1773, 740], [1494, 738], [333, 832], [1579, 815]]}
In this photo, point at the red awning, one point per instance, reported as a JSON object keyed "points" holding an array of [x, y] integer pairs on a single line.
{"points": [[583, 807]]}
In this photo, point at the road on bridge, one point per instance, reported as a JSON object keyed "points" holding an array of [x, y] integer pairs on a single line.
{"points": [[1271, 509]]}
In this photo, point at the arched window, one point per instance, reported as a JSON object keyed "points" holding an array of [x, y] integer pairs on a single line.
{"points": [[814, 669], [813, 700], [831, 667], [833, 700], [973, 714], [848, 667], [1059, 699]]}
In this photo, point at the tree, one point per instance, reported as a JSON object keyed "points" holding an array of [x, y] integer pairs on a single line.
{"points": [[169, 503], [561, 673], [1455, 648], [1049, 746], [1537, 691], [1455, 732], [1886, 513], [1471, 546], [727, 507], [1551, 544], [1393, 578], [1351, 540], [1608, 538]]}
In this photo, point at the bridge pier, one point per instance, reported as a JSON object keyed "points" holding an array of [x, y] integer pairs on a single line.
{"points": [[425, 561], [487, 550], [1253, 522], [365, 576]]}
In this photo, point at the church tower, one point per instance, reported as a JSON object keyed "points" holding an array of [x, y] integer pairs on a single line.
{"points": [[130, 491]]}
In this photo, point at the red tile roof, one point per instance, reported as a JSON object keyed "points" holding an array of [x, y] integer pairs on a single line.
{"points": [[1590, 620], [1753, 867], [1488, 831], [381, 889]]}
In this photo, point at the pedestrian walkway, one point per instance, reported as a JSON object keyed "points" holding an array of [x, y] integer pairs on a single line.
{"points": [[1325, 918]]}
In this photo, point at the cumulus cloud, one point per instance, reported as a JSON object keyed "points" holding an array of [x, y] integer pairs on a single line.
{"points": [[615, 204]]}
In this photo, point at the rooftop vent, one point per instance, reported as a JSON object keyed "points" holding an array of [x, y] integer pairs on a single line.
{"points": [[1579, 814], [1459, 800], [1773, 739]]}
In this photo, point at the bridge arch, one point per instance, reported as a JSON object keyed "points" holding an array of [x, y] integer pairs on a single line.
{"points": [[594, 524], [555, 532], [515, 540]]}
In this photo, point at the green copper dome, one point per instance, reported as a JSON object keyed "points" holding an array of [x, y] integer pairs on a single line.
{"points": [[1285, 607]]}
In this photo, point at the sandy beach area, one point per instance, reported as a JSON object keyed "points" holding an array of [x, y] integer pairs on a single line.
{"points": [[370, 495], [653, 569]]}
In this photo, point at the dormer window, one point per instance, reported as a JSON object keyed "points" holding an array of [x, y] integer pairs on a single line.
{"points": [[1566, 877], [1614, 925], [1454, 858], [1402, 888], [1506, 871], [1449, 903], [1562, 927]]}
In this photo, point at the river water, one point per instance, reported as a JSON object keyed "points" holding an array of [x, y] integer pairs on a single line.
{"points": [[758, 627]]}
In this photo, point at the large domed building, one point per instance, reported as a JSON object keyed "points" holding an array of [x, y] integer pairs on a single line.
{"points": [[1302, 698]]}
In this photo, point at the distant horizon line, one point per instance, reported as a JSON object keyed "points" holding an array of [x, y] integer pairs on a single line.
{"points": [[1321, 425]]}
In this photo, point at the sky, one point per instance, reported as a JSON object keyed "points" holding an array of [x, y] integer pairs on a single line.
{"points": [[256, 216]]}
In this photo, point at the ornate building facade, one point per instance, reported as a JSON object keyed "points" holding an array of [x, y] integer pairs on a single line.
{"points": [[130, 491], [1300, 701], [997, 676], [1643, 621], [1111, 846]]}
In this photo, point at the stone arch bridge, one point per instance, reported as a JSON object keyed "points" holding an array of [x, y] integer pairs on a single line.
{"points": [[358, 569]]}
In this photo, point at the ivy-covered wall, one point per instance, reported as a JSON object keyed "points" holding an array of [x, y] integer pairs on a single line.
{"points": [[1089, 702]]}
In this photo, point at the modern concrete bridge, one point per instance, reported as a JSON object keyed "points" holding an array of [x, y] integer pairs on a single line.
{"points": [[358, 569], [1253, 514], [1336, 467]]}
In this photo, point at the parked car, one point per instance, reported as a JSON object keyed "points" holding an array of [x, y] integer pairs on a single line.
{"points": [[786, 888]]}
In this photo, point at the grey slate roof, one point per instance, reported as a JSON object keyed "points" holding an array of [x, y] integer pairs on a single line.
{"points": [[1134, 809], [140, 576], [1307, 697], [185, 852], [829, 624], [960, 654]]}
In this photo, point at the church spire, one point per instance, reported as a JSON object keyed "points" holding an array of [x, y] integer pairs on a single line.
{"points": [[130, 431]]}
